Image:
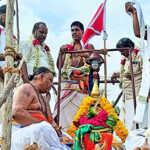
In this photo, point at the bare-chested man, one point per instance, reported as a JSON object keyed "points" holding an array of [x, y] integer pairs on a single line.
{"points": [[31, 111], [74, 68], [76, 60]]}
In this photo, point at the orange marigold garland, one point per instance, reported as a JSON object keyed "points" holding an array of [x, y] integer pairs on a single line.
{"points": [[119, 129]]}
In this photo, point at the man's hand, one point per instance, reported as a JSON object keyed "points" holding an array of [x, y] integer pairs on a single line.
{"points": [[63, 48], [1, 73], [130, 8], [24, 73]]}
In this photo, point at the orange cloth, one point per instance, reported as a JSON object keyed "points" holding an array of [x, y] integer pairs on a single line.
{"points": [[41, 117], [35, 115]]}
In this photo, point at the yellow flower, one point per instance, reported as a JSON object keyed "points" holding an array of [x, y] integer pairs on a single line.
{"points": [[119, 129]]}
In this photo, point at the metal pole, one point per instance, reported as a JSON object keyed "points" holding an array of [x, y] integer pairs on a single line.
{"points": [[17, 22], [105, 71], [133, 82], [100, 51], [59, 88], [118, 98]]}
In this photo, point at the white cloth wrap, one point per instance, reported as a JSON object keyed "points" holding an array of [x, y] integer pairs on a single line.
{"points": [[43, 134]]}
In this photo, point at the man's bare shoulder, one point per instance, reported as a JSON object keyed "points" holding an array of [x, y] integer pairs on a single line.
{"points": [[24, 89]]}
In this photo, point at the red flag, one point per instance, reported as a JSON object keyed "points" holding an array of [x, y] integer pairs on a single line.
{"points": [[96, 25]]}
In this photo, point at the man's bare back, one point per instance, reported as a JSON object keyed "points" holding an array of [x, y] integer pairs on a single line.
{"points": [[25, 102]]}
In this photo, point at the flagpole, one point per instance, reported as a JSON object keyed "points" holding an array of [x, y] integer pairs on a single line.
{"points": [[105, 50], [105, 69]]}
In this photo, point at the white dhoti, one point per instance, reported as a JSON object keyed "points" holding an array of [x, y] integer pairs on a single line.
{"points": [[127, 114], [43, 134], [135, 139], [69, 105]]}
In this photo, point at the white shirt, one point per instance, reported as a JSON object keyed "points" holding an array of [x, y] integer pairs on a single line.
{"points": [[26, 48]]}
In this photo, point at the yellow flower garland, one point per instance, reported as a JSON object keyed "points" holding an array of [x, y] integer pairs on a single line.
{"points": [[119, 129]]}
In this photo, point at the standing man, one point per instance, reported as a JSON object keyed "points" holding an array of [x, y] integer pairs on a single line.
{"points": [[74, 68], [142, 31], [35, 52], [127, 111]]}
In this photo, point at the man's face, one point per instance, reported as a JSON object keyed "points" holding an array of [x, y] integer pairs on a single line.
{"points": [[46, 82], [76, 33], [2, 19], [41, 33], [125, 53]]}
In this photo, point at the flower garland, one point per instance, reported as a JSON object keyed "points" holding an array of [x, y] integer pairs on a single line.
{"points": [[37, 48], [66, 66], [119, 129], [98, 120], [123, 62]]}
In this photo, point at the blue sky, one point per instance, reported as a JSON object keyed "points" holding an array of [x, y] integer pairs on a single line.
{"points": [[59, 14]]}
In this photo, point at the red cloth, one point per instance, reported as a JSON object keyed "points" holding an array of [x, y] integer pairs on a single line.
{"points": [[98, 120], [106, 139], [87, 143], [96, 25], [70, 47]]}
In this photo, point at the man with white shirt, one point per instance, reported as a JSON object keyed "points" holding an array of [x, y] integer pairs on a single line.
{"points": [[35, 52]]}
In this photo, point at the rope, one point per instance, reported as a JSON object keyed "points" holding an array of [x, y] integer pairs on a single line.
{"points": [[10, 51], [11, 70], [8, 47]]}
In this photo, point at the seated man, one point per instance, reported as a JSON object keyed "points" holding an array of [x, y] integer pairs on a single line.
{"points": [[32, 119]]}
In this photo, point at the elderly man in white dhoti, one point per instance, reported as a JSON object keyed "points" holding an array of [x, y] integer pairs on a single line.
{"points": [[32, 120], [74, 69]]}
